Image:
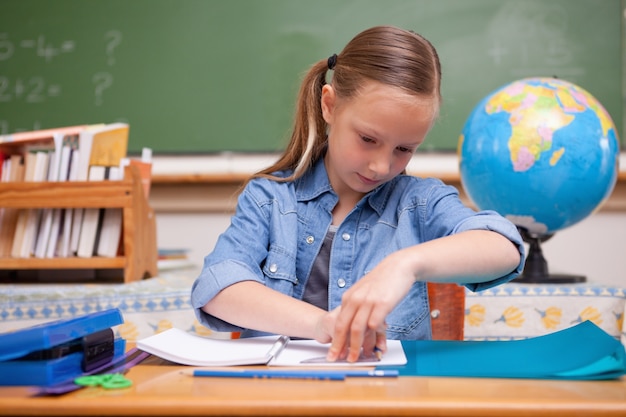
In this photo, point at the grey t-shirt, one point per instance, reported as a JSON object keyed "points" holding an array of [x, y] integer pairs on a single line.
{"points": [[316, 290]]}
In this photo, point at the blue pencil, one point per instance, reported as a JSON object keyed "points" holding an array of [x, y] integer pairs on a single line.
{"points": [[328, 375]]}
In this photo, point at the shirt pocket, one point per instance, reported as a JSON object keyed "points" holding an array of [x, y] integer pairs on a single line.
{"points": [[410, 320], [280, 271]]}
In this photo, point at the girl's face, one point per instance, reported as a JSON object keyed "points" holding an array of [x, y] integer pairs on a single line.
{"points": [[373, 135]]}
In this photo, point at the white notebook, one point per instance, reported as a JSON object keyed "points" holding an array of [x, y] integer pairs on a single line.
{"points": [[176, 345]]}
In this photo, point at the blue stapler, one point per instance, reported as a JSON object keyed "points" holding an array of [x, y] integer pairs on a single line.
{"points": [[59, 351]]}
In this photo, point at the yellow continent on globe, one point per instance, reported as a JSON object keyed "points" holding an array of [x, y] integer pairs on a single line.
{"points": [[535, 113]]}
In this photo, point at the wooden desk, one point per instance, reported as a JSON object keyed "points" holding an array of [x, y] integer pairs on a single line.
{"points": [[166, 391]]}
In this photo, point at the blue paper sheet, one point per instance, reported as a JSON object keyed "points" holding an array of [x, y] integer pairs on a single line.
{"points": [[583, 351]]}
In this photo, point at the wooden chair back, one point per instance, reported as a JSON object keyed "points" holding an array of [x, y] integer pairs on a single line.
{"points": [[447, 310]]}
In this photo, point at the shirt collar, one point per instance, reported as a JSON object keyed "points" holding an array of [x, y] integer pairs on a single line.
{"points": [[315, 182]]}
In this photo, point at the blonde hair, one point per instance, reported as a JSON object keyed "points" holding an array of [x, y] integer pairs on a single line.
{"points": [[385, 54]]}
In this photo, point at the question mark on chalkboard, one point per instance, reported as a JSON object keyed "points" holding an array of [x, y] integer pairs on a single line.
{"points": [[102, 80], [114, 38]]}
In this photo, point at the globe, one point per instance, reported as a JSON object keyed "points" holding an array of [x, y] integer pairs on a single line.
{"points": [[544, 153]]}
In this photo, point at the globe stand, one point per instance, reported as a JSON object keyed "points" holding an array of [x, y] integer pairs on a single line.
{"points": [[536, 267]]}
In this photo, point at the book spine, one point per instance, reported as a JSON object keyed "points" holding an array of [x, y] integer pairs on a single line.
{"points": [[13, 172], [108, 241], [91, 219], [33, 216]]}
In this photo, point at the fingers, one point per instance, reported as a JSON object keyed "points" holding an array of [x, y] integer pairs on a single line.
{"points": [[339, 343], [358, 332], [374, 346], [348, 333], [360, 339], [360, 320], [375, 343]]}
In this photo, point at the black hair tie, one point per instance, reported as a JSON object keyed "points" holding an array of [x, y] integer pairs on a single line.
{"points": [[332, 61]]}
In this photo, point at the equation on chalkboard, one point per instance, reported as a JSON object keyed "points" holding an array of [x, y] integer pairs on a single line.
{"points": [[36, 88], [206, 76]]}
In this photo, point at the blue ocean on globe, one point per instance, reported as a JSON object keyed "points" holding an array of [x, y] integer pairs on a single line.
{"points": [[543, 152]]}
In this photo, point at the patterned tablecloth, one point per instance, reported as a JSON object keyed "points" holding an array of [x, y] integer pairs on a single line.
{"points": [[148, 306], [510, 311], [515, 311]]}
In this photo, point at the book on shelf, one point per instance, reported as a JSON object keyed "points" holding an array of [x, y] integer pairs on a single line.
{"points": [[68, 214], [91, 219], [99, 145], [70, 153], [36, 169], [173, 253], [22, 214], [13, 172], [103, 144], [53, 246], [111, 228], [108, 241], [4, 177], [43, 140], [4, 173], [173, 258], [55, 150], [3, 158]]}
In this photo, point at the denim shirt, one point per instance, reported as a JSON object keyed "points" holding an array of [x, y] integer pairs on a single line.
{"points": [[278, 228]]}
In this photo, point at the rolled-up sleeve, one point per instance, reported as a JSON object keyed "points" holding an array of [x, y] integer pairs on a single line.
{"points": [[211, 281], [237, 257], [446, 215], [490, 220]]}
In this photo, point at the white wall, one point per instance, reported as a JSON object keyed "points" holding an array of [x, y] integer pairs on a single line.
{"points": [[594, 247], [196, 232]]}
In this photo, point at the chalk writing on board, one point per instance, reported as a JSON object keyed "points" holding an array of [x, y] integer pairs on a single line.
{"points": [[102, 81], [31, 90], [36, 89], [113, 38], [38, 44]]}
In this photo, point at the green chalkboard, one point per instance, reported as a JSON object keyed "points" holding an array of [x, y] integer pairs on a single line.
{"points": [[204, 76]]}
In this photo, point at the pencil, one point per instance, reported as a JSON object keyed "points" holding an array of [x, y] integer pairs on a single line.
{"points": [[266, 374], [378, 352], [329, 375]]}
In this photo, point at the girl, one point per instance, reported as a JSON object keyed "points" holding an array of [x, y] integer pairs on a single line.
{"points": [[334, 242]]}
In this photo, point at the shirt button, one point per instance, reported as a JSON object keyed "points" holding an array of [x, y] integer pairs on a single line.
{"points": [[273, 268], [341, 282], [345, 236], [310, 239]]}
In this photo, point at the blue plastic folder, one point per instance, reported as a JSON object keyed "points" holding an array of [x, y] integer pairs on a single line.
{"points": [[581, 352], [58, 351]]}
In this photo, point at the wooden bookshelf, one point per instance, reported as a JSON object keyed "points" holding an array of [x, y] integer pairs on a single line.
{"points": [[138, 258]]}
